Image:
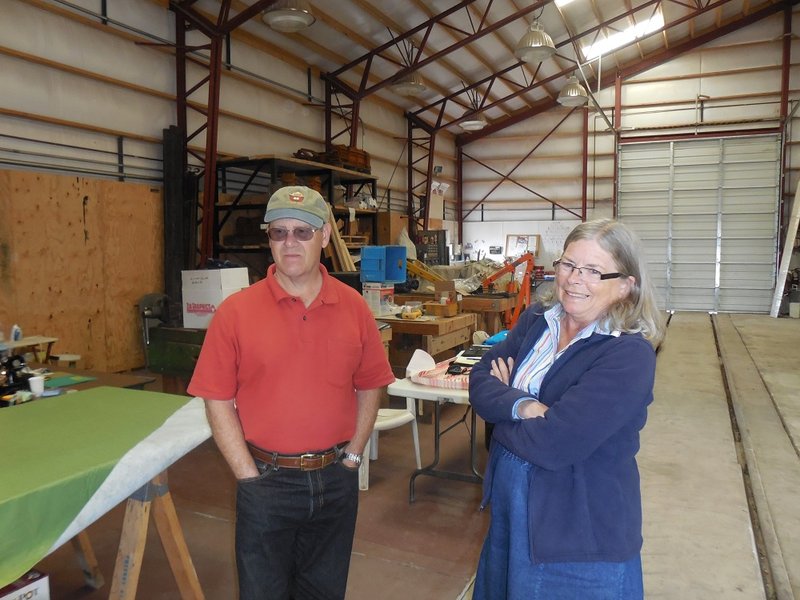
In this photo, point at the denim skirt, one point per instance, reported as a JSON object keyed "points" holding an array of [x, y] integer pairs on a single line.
{"points": [[505, 569]]}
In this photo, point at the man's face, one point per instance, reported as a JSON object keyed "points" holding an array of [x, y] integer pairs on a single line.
{"points": [[294, 257]]}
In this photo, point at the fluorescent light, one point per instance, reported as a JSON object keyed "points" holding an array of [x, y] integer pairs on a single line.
{"points": [[635, 32]]}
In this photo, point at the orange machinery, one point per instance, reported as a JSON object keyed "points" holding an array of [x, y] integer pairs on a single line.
{"points": [[522, 290]]}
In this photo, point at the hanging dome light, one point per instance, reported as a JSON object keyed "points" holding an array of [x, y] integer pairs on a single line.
{"points": [[573, 93], [289, 16], [409, 85], [535, 46], [476, 123]]}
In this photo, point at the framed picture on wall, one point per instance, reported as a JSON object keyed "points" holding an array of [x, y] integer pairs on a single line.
{"points": [[519, 244]]}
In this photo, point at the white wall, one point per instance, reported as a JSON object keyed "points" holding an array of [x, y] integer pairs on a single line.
{"points": [[67, 79]]}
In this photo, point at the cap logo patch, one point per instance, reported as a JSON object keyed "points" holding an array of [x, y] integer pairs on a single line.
{"points": [[296, 197]]}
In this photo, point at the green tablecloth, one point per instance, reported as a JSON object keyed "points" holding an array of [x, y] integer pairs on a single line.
{"points": [[55, 453]]}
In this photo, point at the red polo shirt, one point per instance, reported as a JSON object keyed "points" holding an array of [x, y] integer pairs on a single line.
{"points": [[292, 370]]}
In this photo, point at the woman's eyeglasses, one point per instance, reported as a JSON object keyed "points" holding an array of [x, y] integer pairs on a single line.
{"points": [[587, 274], [302, 234]]}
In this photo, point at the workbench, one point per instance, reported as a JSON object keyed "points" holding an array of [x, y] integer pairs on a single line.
{"points": [[489, 308], [440, 337], [85, 380], [40, 345]]}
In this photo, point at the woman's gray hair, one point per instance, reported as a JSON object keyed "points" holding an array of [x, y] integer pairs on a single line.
{"points": [[638, 312]]}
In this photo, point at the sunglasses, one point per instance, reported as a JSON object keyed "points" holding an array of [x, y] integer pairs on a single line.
{"points": [[302, 234]]}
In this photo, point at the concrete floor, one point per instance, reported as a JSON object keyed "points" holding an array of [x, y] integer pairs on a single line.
{"points": [[720, 482]]}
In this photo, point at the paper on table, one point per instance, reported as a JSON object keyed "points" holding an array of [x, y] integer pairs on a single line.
{"points": [[420, 361]]}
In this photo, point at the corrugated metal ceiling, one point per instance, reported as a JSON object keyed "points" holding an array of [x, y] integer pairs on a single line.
{"points": [[458, 45]]}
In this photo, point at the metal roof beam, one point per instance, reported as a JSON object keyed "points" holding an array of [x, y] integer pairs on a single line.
{"points": [[638, 67], [427, 26]]}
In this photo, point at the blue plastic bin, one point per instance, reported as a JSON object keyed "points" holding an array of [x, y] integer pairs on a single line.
{"points": [[383, 264]]}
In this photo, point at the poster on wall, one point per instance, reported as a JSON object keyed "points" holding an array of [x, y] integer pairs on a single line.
{"points": [[519, 244]]}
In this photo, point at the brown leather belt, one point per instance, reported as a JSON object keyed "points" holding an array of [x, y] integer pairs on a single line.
{"points": [[310, 461]]}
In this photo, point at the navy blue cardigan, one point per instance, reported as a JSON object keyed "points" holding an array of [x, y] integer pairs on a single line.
{"points": [[584, 503]]}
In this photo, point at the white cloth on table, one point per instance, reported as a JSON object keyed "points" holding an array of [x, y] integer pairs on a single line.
{"points": [[186, 429]]}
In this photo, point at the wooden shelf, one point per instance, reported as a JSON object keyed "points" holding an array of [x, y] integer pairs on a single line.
{"points": [[245, 177]]}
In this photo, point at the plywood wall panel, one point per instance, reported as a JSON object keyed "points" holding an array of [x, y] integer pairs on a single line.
{"points": [[133, 259], [6, 270], [47, 220], [72, 270]]}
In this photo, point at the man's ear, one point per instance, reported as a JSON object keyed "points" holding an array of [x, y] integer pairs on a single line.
{"points": [[326, 234]]}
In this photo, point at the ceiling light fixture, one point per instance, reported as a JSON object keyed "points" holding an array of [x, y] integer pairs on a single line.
{"points": [[410, 84], [535, 46], [573, 93], [476, 120], [475, 124], [289, 16]]}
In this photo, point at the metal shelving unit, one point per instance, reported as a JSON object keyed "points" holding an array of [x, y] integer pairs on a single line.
{"points": [[241, 180]]}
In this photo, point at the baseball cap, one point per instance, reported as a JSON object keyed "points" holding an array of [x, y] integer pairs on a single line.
{"points": [[297, 202]]}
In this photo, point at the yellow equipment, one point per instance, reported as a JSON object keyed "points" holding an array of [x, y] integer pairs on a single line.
{"points": [[421, 270], [411, 314]]}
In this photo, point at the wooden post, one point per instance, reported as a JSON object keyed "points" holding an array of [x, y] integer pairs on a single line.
{"points": [[131, 550], [88, 561], [134, 536], [169, 530]]}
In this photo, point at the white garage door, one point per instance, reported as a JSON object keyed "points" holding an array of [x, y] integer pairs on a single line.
{"points": [[707, 214]]}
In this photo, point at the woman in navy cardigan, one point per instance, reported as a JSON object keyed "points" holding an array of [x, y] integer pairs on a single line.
{"points": [[567, 392]]}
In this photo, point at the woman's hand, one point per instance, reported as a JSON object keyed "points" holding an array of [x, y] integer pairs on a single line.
{"points": [[527, 409], [530, 409], [502, 369]]}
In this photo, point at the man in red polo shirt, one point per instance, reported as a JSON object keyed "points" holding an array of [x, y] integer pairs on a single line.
{"points": [[291, 371]]}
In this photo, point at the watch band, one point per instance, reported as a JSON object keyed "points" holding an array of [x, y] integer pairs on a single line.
{"points": [[356, 458]]}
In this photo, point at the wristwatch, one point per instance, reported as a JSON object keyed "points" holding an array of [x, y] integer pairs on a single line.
{"points": [[352, 456]]}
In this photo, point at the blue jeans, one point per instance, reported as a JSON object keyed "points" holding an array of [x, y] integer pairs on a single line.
{"points": [[505, 569], [294, 533]]}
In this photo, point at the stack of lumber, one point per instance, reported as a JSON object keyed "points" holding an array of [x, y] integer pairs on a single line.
{"points": [[337, 250]]}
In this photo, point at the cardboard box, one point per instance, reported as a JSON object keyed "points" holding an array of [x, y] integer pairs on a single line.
{"points": [[379, 297], [390, 224], [204, 290], [215, 279], [199, 306], [31, 586]]}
